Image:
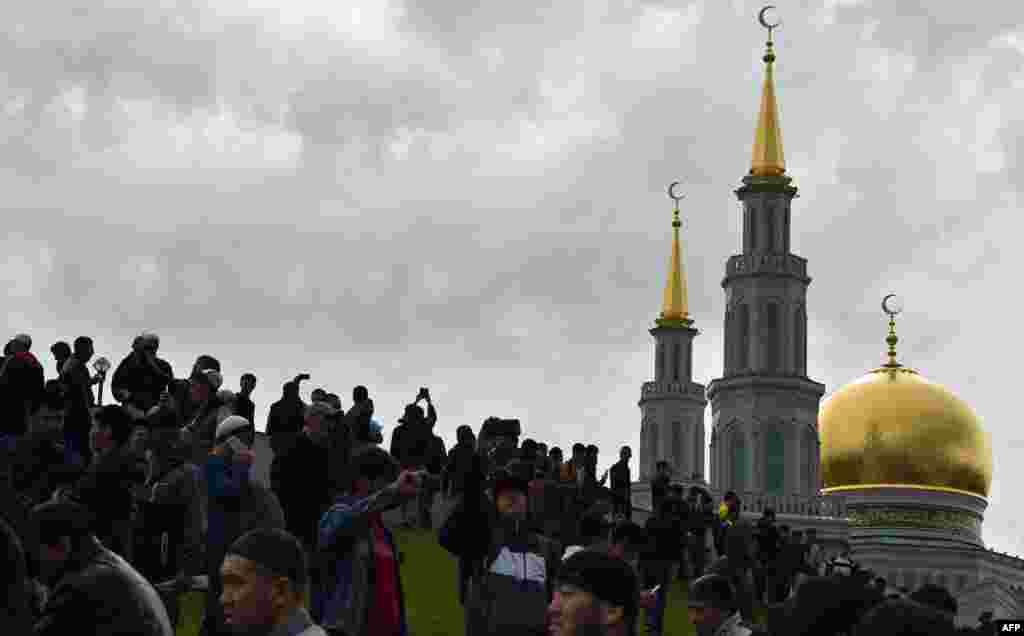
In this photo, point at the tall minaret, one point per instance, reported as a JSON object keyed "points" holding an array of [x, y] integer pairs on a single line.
{"points": [[765, 409], [672, 406]]}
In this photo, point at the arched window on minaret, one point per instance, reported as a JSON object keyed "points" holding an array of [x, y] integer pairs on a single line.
{"points": [[769, 229], [770, 337], [677, 354], [800, 341], [742, 337], [677, 446], [652, 440], [810, 449], [752, 228], [659, 363], [730, 344]]}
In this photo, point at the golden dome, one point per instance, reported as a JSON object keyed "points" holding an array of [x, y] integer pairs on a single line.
{"points": [[893, 427]]}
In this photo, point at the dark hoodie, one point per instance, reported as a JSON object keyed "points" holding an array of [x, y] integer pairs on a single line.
{"points": [[511, 570], [461, 462], [21, 392]]}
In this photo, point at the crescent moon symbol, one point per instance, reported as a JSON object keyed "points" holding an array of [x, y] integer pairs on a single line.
{"points": [[763, 21], [672, 191], [885, 305]]}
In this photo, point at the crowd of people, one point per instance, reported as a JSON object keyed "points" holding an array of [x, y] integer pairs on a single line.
{"points": [[110, 513]]}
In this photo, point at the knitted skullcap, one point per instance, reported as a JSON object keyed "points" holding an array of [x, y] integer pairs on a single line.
{"points": [[607, 578], [276, 551]]}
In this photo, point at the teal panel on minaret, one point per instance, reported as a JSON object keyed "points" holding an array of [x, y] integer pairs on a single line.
{"points": [[741, 460], [775, 463]]}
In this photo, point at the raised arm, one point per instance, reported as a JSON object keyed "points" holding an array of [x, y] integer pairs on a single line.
{"points": [[350, 518]]}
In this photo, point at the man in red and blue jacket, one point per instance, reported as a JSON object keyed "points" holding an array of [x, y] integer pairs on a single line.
{"points": [[358, 584]]}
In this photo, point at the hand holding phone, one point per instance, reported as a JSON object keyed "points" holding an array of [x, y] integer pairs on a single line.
{"points": [[235, 445]]}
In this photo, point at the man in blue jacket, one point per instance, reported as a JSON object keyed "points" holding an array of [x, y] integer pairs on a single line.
{"points": [[237, 505]]}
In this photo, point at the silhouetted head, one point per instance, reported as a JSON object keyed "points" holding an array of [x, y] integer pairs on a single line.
{"points": [[247, 383], [61, 351], [84, 348]]}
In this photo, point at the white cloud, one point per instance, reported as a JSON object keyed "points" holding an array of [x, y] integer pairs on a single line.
{"points": [[473, 195]]}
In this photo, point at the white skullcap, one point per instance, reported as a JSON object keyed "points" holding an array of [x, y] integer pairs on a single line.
{"points": [[230, 424], [212, 377], [571, 550]]}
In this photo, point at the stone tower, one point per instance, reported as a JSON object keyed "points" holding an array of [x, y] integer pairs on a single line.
{"points": [[672, 406], [764, 409]]}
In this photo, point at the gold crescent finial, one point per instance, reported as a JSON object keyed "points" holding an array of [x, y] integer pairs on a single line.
{"points": [[764, 22], [676, 198], [892, 306]]}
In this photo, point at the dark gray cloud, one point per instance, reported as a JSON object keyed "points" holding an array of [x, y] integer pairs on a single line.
{"points": [[473, 198]]}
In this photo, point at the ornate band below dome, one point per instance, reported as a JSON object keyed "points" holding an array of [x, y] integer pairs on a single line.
{"points": [[938, 519]]}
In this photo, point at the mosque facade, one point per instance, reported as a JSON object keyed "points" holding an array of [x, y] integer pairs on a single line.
{"points": [[892, 468]]}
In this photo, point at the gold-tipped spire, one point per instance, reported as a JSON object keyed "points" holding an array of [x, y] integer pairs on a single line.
{"points": [[768, 160], [891, 305], [675, 311]]}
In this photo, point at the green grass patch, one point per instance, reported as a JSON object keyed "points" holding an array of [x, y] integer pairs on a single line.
{"points": [[430, 581]]}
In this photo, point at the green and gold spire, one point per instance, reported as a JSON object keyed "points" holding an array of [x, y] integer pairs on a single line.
{"points": [[675, 311], [768, 160]]}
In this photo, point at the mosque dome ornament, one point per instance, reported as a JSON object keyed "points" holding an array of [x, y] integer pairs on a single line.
{"points": [[894, 428]]}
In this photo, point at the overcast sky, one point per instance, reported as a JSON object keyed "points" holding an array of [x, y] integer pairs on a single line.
{"points": [[472, 198]]}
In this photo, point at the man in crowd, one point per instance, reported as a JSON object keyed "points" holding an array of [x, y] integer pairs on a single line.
{"points": [[622, 484], [61, 351], [141, 377], [359, 417], [412, 444], [596, 593], [555, 465], [768, 540], [172, 541], [237, 504], [502, 442], [108, 486], [659, 559], [208, 410], [94, 591], [244, 405], [359, 585], [659, 484], [701, 517], [511, 570], [713, 608], [738, 548], [80, 399], [287, 416], [265, 585], [300, 476], [543, 461], [461, 461], [21, 387]]}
